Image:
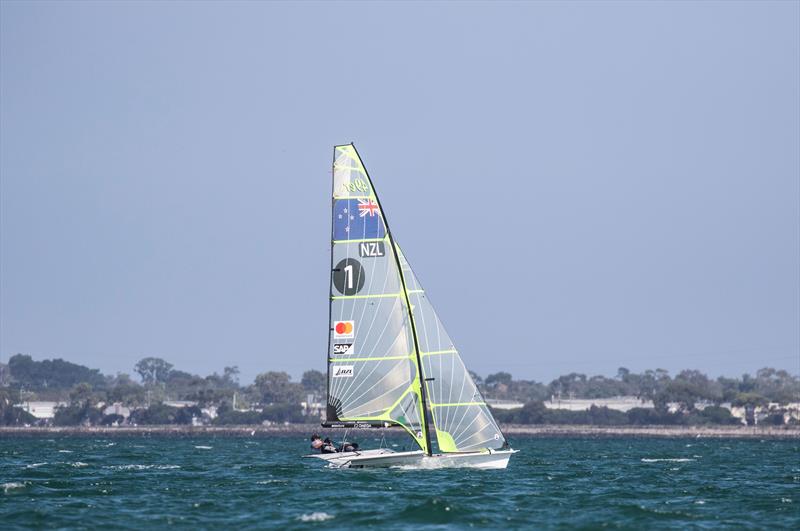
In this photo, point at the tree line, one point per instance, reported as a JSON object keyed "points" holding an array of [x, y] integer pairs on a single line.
{"points": [[274, 396]]}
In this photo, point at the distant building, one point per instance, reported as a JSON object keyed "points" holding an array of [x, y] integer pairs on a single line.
{"points": [[503, 404], [312, 406], [117, 409], [180, 403], [618, 403], [41, 410]]}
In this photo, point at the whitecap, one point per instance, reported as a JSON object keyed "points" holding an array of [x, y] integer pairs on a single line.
{"points": [[204, 447], [65, 451], [35, 465], [315, 517], [668, 460], [700, 502], [79, 464], [141, 467], [12, 485]]}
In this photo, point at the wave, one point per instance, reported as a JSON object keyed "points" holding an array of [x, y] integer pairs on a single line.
{"points": [[668, 460], [65, 451], [11, 486], [204, 447], [141, 467], [315, 517]]}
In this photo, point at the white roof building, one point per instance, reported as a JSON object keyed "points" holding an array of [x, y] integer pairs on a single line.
{"points": [[41, 410]]}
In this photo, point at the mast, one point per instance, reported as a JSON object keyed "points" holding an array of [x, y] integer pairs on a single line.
{"points": [[330, 302], [423, 395]]}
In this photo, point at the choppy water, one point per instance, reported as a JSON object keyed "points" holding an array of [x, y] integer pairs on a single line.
{"points": [[154, 482]]}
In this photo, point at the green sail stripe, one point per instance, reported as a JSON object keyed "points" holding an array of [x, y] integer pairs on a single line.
{"points": [[340, 360], [373, 296], [360, 241]]}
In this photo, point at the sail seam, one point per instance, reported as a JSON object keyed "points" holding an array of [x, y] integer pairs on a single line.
{"points": [[377, 358], [362, 240], [372, 296], [438, 352]]}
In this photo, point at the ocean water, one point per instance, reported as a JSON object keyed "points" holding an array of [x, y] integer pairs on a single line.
{"points": [[261, 482]]}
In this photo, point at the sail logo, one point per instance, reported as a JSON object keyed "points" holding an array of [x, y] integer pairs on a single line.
{"points": [[342, 349], [357, 219], [371, 249], [344, 329], [343, 371], [368, 207], [355, 186]]}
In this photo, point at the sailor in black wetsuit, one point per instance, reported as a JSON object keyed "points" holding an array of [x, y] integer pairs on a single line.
{"points": [[348, 447], [325, 447]]}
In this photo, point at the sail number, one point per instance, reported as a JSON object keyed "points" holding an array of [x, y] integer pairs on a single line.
{"points": [[349, 276]]}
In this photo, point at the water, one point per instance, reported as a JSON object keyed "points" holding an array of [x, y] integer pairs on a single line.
{"points": [[231, 482]]}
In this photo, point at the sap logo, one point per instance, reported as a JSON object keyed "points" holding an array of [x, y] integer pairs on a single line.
{"points": [[342, 349], [343, 371], [371, 249]]}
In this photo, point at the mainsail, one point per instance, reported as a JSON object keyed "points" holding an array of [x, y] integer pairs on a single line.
{"points": [[385, 337]]}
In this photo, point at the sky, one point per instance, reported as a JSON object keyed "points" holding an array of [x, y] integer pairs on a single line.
{"points": [[579, 186]]}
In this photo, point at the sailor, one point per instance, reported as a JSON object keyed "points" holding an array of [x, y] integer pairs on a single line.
{"points": [[348, 447], [325, 447]]}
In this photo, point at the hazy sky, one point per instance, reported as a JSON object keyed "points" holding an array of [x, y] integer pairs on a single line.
{"points": [[579, 186]]}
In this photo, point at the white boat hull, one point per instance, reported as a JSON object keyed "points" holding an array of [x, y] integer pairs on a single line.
{"points": [[385, 458]]}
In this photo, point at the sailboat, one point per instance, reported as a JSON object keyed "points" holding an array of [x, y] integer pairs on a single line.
{"points": [[390, 361]]}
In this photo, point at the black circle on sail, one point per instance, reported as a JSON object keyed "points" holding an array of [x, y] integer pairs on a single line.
{"points": [[349, 276]]}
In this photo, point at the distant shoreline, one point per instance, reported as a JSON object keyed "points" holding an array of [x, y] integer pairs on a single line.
{"points": [[714, 432]]}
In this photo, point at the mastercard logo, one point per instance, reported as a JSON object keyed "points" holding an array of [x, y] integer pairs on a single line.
{"points": [[343, 329]]}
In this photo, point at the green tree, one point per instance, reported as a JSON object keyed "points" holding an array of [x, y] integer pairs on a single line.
{"points": [[124, 390], [51, 374], [277, 388], [231, 376], [314, 382], [81, 395], [10, 415], [153, 370]]}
